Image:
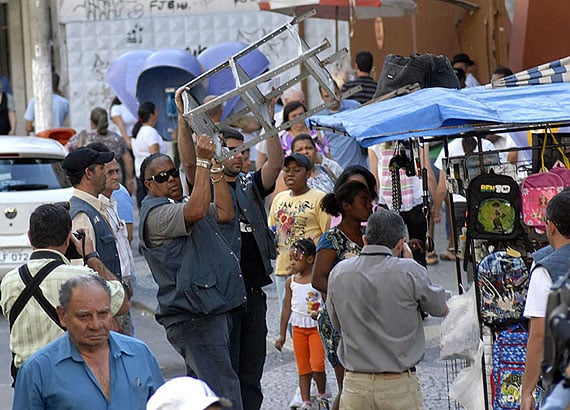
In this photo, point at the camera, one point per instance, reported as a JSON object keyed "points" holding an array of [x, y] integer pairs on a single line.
{"points": [[71, 252]]}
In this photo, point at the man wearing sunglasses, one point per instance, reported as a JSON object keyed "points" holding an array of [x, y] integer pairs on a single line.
{"points": [[197, 273]]}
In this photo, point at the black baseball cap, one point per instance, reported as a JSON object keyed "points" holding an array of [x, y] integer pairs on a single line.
{"points": [[462, 58], [299, 159], [80, 158]]}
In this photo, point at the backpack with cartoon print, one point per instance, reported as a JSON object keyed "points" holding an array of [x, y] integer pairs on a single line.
{"points": [[493, 204], [502, 280]]}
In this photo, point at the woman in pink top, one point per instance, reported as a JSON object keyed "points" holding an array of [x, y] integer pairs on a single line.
{"points": [[291, 111]]}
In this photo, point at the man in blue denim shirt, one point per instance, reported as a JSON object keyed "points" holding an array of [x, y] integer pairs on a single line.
{"points": [[89, 366], [198, 274]]}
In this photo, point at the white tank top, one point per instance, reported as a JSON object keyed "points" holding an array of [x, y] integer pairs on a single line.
{"points": [[304, 299]]}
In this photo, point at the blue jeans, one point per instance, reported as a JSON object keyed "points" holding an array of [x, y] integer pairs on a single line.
{"points": [[204, 343], [248, 347], [280, 286]]}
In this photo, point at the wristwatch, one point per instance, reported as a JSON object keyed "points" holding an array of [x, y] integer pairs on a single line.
{"points": [[89, 256]]}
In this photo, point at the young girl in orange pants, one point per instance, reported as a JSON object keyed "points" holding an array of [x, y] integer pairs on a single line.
{"points": [[301, 305]]}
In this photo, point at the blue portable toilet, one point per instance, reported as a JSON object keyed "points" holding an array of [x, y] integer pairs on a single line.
{"points": [[254, 63], [161, 74], [122, 76]]}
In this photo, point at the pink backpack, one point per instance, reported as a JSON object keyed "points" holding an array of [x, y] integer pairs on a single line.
{"points": [[538, 189]]}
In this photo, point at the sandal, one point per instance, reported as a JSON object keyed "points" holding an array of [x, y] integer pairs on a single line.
{"points": [[448, 255], [432, 258]]}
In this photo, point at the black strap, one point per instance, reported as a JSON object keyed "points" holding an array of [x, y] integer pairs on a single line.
{"points": [[33, 289]]}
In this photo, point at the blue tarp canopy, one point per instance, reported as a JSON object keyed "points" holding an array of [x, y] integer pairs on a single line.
{"points": [[449, 112]]}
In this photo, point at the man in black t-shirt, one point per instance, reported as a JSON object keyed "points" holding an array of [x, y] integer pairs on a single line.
{"points": [[251, 239]]}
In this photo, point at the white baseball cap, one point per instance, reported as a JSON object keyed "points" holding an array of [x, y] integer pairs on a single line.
{"points": [[185, 393]]}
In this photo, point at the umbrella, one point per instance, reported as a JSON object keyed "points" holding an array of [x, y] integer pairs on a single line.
{"points": [[122, 76], [342, 9], [557, 71], [254, 63]]}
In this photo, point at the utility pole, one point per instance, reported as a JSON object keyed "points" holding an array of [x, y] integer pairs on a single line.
{"points": [[41, 63]]}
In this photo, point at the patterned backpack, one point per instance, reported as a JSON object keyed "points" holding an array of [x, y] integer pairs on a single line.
{"points": [[509, 355], [502, 279]]}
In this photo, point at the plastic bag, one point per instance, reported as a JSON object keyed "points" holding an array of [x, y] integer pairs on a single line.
{"points": [[460, 335], [467, 388]]}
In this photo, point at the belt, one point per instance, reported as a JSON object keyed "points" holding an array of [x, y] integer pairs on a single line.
{"points": [[410, 370], [389, 375], [254, 290]]}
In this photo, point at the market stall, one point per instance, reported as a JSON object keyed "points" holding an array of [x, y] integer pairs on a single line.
{"points": [[501, 232]]}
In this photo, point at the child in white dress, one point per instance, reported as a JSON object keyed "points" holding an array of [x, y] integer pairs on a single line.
{"points": [[301, 305]]}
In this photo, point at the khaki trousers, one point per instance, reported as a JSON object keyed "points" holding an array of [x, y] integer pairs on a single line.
{"points": [[379, 391]]}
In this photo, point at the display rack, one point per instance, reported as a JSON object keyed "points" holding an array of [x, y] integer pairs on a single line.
{"points": [[459, 172]]}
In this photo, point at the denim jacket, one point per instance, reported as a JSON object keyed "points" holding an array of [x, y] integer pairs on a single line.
{"points": [[197, 274], [106, 247]]}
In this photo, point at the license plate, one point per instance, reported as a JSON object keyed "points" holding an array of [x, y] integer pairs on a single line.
{"points": [[14, 256]]}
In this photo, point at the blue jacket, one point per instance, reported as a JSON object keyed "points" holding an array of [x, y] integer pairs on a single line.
{"points": [[557, 263], [197, 274], [105, 240]]}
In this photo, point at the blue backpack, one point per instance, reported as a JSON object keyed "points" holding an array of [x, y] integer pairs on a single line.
{"points": [[502, 280], [509, 355]]}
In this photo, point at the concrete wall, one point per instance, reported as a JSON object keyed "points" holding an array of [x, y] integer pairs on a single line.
{"points": [[442, 28], [540, 32]]}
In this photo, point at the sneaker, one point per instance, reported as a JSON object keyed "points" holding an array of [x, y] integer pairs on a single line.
{"points": [[306, 406], [297, 401], [432, 258], [448, 255], [322, 403]]}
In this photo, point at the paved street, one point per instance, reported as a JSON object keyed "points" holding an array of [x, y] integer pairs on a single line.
{"points": [[280, 378]]}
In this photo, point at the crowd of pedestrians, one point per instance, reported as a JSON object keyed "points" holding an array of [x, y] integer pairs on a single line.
{"points": [[350, 289]]}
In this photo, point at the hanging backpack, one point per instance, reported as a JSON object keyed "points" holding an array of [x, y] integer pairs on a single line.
{"points": [[509, 355], [427, 70], [493, 204], [538, 189], [502, 280]]}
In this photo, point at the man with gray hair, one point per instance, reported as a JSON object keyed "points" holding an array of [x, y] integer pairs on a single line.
{"points": [[374, 301], [89, 366]]}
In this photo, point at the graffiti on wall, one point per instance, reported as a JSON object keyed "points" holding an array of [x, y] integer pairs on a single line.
{"points": [[101, 10]]}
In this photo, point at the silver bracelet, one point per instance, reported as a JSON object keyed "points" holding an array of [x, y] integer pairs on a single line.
{"points": [[204, 163], [217, 170]]}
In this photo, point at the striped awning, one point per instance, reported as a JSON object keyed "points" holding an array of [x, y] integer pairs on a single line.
{"points": [[557, 71]]}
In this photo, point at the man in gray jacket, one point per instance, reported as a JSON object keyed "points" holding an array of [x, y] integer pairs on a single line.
{"points": [[375, 302]]}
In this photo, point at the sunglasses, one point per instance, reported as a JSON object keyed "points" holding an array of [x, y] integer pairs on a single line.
{"points": [[163, 176]]}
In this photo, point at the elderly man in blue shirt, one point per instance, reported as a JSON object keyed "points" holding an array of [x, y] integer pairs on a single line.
{"points": [[89, 366]]}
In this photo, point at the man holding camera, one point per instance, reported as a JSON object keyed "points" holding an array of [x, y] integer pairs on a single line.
{"points": [[29, 302]]}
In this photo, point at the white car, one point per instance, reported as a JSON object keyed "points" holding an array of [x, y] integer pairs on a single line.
{"points": [[30, 175]]}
